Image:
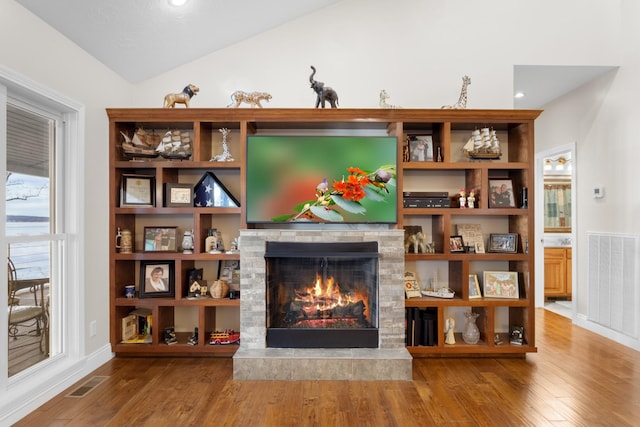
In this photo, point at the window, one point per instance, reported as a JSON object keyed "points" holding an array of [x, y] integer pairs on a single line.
{"points": [[39, 241]]}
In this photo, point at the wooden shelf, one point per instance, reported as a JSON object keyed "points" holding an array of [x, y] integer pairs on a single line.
{"points": [[448, 129]]}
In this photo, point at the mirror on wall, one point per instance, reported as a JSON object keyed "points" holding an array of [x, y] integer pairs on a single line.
{"points": [[557, 193]]}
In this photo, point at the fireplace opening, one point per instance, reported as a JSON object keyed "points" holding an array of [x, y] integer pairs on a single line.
{"points": [[322, 295]]}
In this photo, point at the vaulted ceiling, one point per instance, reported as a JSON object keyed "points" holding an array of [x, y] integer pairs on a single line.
{"points": [[141, 39]]}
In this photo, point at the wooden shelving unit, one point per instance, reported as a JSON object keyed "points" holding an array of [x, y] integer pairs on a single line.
{"points": [[449, 130]]}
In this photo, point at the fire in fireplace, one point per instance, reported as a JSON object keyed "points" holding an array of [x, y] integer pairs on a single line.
{"points": [[322, 295]]}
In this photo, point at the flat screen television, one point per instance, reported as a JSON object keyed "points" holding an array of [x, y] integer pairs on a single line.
{"points": [[333, 179]]}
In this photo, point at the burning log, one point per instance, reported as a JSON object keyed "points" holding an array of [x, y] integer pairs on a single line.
{"points": [[298, 311]]}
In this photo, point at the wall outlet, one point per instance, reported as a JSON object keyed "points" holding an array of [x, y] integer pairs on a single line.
{"points": [[93, 326], [598, 192]]}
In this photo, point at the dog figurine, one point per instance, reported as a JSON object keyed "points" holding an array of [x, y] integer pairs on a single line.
{"points": [[171, 99]]}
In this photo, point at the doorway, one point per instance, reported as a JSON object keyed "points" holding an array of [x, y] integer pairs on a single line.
{"points": [[556, 191]]}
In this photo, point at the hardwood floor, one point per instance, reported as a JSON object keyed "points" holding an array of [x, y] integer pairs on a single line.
{"points": [[577, 378]]}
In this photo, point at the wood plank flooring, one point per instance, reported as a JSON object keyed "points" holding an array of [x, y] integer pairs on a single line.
{"points": [[577, 378]]}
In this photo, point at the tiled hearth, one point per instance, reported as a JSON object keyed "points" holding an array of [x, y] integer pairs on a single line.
{"points": [[254, 361]]}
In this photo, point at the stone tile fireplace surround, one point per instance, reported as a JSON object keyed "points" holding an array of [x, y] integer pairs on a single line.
{"points": [[254, 361]]}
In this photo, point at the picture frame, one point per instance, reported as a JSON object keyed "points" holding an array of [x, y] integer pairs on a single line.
{"points": [[503, 243], [137, 191], [157, 279], [420, 148], [501, 193], [160, 239], [456, 244], [474, 287], [178, 195], [500, 284], [229, 270]]}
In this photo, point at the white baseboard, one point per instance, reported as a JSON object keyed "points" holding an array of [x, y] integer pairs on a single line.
{"points": [[45, 381], [582, 321]]}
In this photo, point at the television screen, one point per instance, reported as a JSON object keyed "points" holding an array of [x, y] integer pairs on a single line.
{"points": [[321, 179]]}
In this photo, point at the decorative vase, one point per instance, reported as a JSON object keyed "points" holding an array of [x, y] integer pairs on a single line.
{"points": [[471, 333], [219, 289]]}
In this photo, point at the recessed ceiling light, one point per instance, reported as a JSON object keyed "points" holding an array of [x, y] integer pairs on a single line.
{"points": [[519, 95], [177, 2]]}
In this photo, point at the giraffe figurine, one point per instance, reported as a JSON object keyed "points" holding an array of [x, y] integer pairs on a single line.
{"points": [[462, 102]]}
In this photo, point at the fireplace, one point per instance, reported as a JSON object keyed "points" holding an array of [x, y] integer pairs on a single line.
{"points": [[322, 295], [388, 360]]}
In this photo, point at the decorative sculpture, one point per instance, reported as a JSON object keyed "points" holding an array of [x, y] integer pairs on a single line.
{"points": [[226, 155], [253, 98], [450, 325], [418, 241], [462, 101], [383, 100], [189, 91], [323, 93]]}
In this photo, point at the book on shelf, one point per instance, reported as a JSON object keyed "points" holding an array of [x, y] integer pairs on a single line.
{"points": [[136, 327]]}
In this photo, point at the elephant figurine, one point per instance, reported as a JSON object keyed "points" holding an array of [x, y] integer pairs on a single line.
{"points": [[324, 93]]}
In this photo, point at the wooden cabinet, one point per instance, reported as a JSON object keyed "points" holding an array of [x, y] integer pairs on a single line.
{"points": [[449, 129], [557, 273]]}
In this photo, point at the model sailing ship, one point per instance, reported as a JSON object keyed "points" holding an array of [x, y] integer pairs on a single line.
{"points": [[175, 145], [142, 145], [483, 144]]}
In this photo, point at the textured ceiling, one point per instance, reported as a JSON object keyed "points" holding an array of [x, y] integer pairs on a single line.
{"points": [[140, 39]]}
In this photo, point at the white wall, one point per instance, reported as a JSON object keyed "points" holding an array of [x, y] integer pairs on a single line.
{"points": [[417, 50], [38, 53]]}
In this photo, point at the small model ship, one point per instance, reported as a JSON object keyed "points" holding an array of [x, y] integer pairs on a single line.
{"points": [[438, 293], [483, 144], [175, 145], [140, 146]]}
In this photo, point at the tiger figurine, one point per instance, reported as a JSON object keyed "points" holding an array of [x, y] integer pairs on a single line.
{"points": [[253, 98]]}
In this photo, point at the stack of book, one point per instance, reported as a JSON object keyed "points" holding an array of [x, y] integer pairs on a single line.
{"points": [[422, 326]]}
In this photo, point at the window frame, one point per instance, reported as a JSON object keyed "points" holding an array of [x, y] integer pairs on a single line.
{"points": [[67, 255]]}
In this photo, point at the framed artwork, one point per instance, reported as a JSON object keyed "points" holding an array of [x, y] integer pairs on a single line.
{"points": [[474, 287], [229, 270], [421, 148], [156, 279], [137, 191], [505, 243], [178, 195], [501, 193], [160, 239], [456, 244], [500, 284]]}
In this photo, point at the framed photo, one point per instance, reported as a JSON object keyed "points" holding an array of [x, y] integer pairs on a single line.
{"points": [[479, 247], [501, 284], [501, 194], [178, 195], [229, 270], [156, 279], [505, 243], [160, 239], [137, 190], [456, 244], [474, 287], [421, 148]]}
